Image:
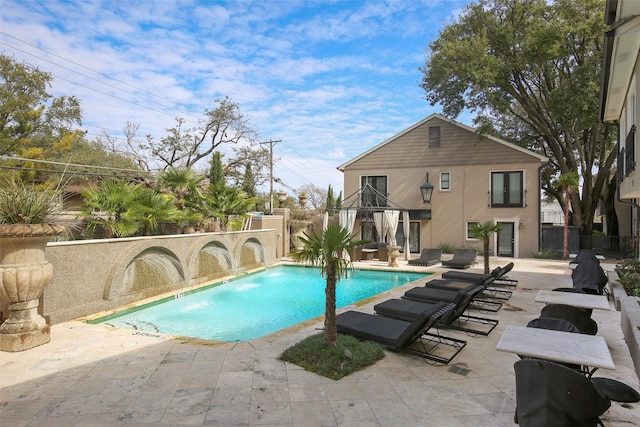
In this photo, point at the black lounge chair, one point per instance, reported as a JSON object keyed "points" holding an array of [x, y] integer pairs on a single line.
{"points": [[427, 258], [549, 394], [402, 335], [578, 316], [499, 273], [479, 278], [462, 258], [455, 285], [457, 320]]}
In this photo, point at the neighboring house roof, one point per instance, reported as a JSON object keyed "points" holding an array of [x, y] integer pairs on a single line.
{"points": [[436, 117], [621, 47]]}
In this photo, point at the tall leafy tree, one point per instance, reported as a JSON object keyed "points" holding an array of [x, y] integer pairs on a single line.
{"points": [[249, 181], [316, 196], [330, 204], [34, 123], [216, 173], [531, 72], [326, 251], [183, 147], [568, 184]]}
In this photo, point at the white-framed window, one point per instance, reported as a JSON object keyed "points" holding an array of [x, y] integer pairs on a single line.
{"points": [[470, 235], [445, 181]]}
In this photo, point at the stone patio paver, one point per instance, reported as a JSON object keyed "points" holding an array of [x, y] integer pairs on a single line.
{"points": [[94, 375]]}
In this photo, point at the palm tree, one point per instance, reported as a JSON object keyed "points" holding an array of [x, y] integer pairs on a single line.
{"points": [[184, 184], [326, 251], [567, 183], [222, 202], [483, 232], [151, 207], [109, 205]]}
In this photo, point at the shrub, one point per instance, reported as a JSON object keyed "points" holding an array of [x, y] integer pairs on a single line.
{"points": [[547, 254], [447, 248], [629, 273]]}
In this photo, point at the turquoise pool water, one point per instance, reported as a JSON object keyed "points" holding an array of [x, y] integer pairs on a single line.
{"points": [[255, 305]]}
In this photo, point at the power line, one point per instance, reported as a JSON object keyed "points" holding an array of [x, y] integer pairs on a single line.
{"points": [[92, 70], [7, 158]]}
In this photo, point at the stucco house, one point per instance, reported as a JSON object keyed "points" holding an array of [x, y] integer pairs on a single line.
{"points": [[620, 105], [475, 179]]}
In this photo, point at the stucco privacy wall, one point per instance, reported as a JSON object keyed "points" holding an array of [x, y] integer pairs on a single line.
{"points": [[89, 275]]}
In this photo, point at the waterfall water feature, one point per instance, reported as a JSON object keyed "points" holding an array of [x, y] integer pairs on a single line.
{"points": [[152, 272], [214, 261], [251, 255]]}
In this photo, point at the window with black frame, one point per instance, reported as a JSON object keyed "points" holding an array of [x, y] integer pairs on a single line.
{"points": [[375, 193], [507, 189]]}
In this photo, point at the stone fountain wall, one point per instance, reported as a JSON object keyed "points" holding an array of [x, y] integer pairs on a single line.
{"points": [[96, 275]]}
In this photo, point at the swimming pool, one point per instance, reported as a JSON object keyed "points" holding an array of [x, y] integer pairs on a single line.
{"points": [[255, 305]]}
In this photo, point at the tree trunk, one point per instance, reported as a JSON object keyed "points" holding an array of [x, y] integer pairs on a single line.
{"points": [[486, 255], [330, 328], [565, 243]]}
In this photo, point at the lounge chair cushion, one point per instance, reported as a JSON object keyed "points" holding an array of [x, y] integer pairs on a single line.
{"points": [[427, 257], [393, 333], [462, 258], [407, 309]]}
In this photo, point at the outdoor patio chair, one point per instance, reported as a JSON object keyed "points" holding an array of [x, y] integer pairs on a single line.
{"points": [[458, 320], [462, 258], [578, 316], [428, 257], [549, 394], [478, 302], [561, 325], [479, 278], [402, 335], [499, 273]]}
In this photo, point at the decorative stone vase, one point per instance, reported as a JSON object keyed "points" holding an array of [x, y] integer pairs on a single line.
{"points": [[298, 227], [24, 274], [394, 253], [302, 199]]}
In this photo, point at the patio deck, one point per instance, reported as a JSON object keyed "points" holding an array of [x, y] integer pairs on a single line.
{"points": [[93, 375]]}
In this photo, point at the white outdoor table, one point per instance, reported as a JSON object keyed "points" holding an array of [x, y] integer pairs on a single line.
{"points": [[572, 256], [598, 302], [566, 347]]}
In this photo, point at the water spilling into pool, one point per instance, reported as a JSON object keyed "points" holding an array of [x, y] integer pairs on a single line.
{"points": [[255, 305]]}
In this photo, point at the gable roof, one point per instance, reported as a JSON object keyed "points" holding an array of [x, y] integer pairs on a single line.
{"points": [[538, 157]]}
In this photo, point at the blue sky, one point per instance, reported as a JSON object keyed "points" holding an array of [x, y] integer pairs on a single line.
{"points": [[330, 79]]}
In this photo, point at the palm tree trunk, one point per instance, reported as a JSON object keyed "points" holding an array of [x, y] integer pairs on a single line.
{"points": [[486, 255], [330, 328]]}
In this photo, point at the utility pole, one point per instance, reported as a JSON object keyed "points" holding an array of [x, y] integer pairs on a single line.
{"points": [[270, 142]]}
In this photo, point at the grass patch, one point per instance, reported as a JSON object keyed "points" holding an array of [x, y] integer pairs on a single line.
{"points": [[350, 355]]}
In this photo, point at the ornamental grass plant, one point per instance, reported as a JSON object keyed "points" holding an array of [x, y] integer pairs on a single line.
{"points": [[23, 203]]}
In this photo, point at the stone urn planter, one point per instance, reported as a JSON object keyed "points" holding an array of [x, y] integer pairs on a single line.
{"points": [[394, 253], [24, 274], [298, 228]]}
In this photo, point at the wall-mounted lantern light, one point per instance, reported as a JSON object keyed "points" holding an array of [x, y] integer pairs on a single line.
{"points": [[426, 190]]}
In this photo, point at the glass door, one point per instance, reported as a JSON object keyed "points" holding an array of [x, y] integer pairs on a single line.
{"points": [[506, 239]]}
